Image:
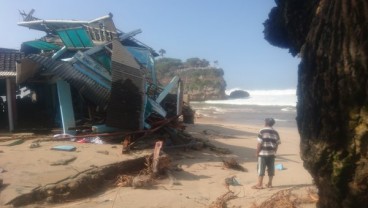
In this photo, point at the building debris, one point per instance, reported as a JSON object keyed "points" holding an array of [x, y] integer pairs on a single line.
{"points": [[124, 181], [283, 198], [8, 58], [146, 178], [222, 200], [91, 79], [67, 148], [231, 181], [231, 163], [35, 144], [64, 161], [13, 143]]}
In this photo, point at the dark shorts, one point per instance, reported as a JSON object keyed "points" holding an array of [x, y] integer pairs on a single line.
{"points": [[266, 162]]}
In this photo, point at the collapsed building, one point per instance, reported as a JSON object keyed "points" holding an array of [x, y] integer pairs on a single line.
{"points": [[8, 58], [84, 74]]}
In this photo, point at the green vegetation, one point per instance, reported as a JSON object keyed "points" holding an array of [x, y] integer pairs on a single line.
{"points": [[201, 80]]}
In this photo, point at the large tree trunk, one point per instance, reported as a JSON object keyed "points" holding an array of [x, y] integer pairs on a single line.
{"points": [[331, 37]]}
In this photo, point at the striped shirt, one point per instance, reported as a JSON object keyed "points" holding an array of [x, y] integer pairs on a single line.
{"points": [[269, 139]]}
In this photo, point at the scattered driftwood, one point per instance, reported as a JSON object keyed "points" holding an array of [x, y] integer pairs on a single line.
{"points": [[163, 164], [64, 161], [124, 181], [142, 181], [231, 163], [281, 199], [105, 152], [35, 145], [16, 142], [220, 150], [156, 155], [17, 136], [222, 200], [210, 132], [286, 199], [313, 196], [146, 177]]}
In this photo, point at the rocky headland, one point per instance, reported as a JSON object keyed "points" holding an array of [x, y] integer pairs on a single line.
{"points": [[201, 80]]}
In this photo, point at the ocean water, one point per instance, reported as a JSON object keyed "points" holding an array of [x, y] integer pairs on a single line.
{"points": [[278, 104]]}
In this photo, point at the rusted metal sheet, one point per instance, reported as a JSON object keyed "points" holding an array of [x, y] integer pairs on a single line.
{"points": [[126, 106], [26, 69]]}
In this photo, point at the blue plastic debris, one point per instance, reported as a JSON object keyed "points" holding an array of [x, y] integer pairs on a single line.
{"points": [[232, 181], [64, 148], [279, 167]]}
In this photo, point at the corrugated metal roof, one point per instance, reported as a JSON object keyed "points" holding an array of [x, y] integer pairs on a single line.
{"points": [[7, 50], [42, 45], [75, 38], [8, 58], [74, 75], [121, 55], [126, 105]]}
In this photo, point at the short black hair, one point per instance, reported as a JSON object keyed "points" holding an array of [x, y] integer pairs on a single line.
{"points": [[270, 121]]}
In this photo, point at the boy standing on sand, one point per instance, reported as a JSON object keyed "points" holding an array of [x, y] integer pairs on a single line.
{"points": [[267, 143]]}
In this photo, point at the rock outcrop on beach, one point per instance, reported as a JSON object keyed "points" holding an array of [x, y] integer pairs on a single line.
{"points": [[238, 94], [201, 81], [332, 114]]}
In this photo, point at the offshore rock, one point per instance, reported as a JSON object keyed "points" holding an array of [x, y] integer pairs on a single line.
{"points": [[332, 114], [238, 94]]}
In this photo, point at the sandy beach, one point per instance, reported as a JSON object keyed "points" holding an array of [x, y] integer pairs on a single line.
{"points": [[200, 181]]}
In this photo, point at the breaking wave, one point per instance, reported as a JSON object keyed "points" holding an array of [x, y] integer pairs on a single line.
{"points": [[262, 97]]}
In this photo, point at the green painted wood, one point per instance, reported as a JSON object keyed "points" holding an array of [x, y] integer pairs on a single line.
{"points": [[66, 106]]}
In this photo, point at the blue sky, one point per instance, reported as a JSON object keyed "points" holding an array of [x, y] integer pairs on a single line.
{"points": [[230, 32]]}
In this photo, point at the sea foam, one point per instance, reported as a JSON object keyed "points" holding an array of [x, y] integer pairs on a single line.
{"points": [[262, 97], [278, 104]]}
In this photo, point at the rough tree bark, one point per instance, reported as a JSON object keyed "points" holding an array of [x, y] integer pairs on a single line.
{"points": [[331, 38]]}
